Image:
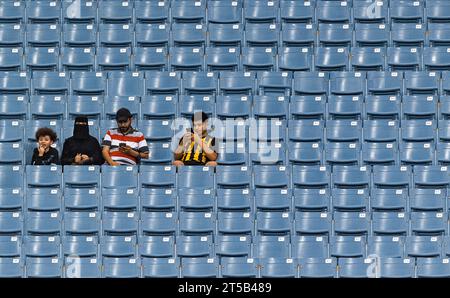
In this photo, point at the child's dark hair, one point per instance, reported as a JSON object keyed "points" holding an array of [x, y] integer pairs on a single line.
{"points": [[45, 131], [199, 115]]}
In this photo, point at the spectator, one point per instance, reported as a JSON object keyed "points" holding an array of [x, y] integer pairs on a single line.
{"points": [[124, 145], [81, 148], [45, 154], [196, 147]]}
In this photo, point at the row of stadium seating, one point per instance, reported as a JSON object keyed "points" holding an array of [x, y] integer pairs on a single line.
{"points": [[229, 59], [236, 267], [136, 84], [216, 11]]}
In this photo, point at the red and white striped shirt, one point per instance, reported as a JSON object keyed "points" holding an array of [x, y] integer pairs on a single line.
{"points": [[134, 138]]}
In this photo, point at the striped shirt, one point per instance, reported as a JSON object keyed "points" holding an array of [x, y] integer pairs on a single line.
{"points": [[134, 138], [195, 156]]}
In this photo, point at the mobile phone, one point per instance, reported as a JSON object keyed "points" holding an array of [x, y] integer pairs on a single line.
{"points": [[122, 144]]}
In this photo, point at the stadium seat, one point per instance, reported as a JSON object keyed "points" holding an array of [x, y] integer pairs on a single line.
{"points": [[233, 245], [317, 267], [83, 246], [77, 59], [238, 267], [194, 246], [115, 12], [199, 267], [156, 246], [160, 267], [118, 246], [121, 268], [390, 223], [149, 12], [386, 246], [158, 222], [347, 246], [122, 223]]}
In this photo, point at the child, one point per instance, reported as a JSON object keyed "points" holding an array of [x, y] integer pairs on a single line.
{"points": [[196, 147], [44, 154]]}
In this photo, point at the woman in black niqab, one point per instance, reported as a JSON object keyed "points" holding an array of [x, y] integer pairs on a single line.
{"points": [[81, 148]]}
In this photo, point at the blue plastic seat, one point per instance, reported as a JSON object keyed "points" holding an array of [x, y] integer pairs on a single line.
{"points": [[305, 153], [235, 223], [384, 83], [152, 35], [349, 199], [261, 35], [351, 223], [433, 267], [45, 59], [160, 267], [272, 199], [13, 107], [406, 12], [115, 12], [424, 199], [271, 247], [309, 247], [335, 35], [311, 199], [390, 223], [271, 176], [188, 12], [151, 12], [158, 222], [158, 106], [403, 59], [396, 268], [195, 177], [115, 35], [12, 12], [43, 35], [81, 223], [44, 12], [158, 198], [275, 222], [219, 59], [407, 35], [298, 36], [317, 267], [11, 177], [234, 199], [371, 35], [83, 12], [121, 268], [429, 223], [81, 198], [270, 106], [364, 11], [11, 223], [351, 177], [423, 246], [199, 267], [242, 83], [331, 59], [11, 267], [347, 83], [43, 222], [421, 83], [124, 223], [438, 34], [82, 267], [47, 107], [10, 246], [274, 83], [239, 267], [386, 246], [233, 106], [312, 223], [11, 59], [347, 246], [44, 267], [420, 131], [113, 177], [118, 246], [42, 246], [200, 83], [258, 59], [368, 59], [43, 176], [417, 153], [233, 245], [294, 59], [12, 153], [167, 83], [83, 246], [51, 83], [220, 12], [261, 12], [11, 199], [391, 177], [435, 59], [233, 177], [113, 59], [156, 246], [194, 246], [186, 59], [77, 59], [12, 35], [225, 35], [196, 223], [79, 35], [296, 12], [356, 267], [43, 199], [188, 35]]}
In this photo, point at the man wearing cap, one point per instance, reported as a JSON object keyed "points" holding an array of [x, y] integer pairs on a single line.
{"points": [[124, 145], [81, 148]]}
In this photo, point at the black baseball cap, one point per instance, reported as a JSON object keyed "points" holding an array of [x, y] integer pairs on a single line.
{"points": [[123, 114]]}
